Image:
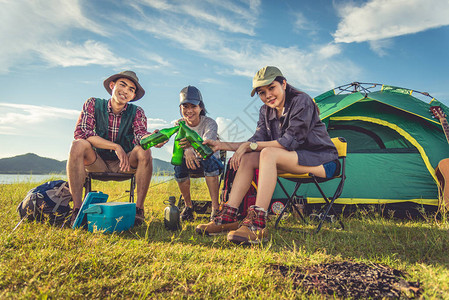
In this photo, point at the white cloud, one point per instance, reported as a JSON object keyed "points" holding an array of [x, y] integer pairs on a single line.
{"points": [[153, 124], [211, 80], [222, 123], [382, 19], [216, 13], [48, 22], [154, 57], [33, 114], [301, 20], [312, 70], [328, 51], [380, 46], [37, 121], [68, 54]]}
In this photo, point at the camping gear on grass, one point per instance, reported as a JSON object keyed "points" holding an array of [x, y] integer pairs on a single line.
{"points": [[171, 214], [47, 202], [394, 145], [107, 217], [110, 217], [91, 198]]}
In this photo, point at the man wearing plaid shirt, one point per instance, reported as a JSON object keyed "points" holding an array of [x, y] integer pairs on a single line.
{"points": [[107, 139]]}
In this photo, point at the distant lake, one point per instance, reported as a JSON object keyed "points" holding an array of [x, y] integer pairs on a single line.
{"points": [[17, 178]]}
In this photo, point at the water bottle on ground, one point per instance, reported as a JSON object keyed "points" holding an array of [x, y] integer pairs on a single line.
{"points": [[171, 215]]}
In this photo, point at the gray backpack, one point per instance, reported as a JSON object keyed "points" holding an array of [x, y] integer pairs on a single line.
{"points": [[49, 202]]}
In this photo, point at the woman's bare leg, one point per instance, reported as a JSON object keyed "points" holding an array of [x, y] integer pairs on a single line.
{"points": [[243, 178], [273, 161]]}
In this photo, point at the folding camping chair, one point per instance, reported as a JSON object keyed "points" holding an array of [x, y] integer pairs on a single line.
{"points": [[107, 176], [293, 199], [203, 206]]}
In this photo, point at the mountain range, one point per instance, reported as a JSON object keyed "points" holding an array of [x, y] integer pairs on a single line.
{"points": [[31, 163]]}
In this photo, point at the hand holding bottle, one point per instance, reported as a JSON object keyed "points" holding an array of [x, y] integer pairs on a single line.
{"points": [[195, 140], [158, 137], [157, 145], [184, 143], [192, 161], [213, 144]]}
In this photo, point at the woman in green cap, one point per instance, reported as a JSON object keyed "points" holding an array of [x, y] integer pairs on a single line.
{"points": [[289, 129]]}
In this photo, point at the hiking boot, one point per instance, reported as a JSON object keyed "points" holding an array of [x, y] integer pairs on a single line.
{"points": [[252, 230], [213, 214], [140, 216], [187, 214], [75, 212], [223, 222]]}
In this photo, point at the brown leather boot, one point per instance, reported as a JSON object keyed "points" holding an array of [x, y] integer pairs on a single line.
{"points": [[223, 222], [252, 230]]}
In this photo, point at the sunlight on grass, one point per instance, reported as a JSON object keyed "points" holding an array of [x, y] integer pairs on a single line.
{"points": [[40, 261]]}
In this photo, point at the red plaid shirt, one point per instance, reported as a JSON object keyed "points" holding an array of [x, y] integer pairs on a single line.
{"points": [[85, 127]]}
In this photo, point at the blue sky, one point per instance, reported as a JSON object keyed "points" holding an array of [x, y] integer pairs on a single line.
{"points": [[55, 54]]}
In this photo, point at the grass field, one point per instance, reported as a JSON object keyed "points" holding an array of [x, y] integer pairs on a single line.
{"points": [[41, 261]]}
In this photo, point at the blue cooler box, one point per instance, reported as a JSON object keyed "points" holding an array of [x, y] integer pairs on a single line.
{"points": [[110, 216]]}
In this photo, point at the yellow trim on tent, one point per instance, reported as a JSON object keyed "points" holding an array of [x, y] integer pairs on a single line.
{"points": [[402, 132], [363, 97], [428, 119], [373, 201]]}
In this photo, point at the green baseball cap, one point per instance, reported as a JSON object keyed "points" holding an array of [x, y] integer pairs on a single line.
{"points": [[265, 76]]}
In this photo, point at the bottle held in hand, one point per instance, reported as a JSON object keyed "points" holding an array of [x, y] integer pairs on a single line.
{"points": [[195, 140], [178, 154], [158, 137]]}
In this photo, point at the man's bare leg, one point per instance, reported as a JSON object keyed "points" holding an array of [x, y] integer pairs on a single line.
{"points": [[144, 162], [81, 154]]}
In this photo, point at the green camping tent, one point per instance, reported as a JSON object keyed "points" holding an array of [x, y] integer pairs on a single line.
{"points": [[394, 144]]}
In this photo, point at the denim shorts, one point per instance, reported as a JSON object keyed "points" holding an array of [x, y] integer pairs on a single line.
{"points": [[332, 168], [209, 167]]}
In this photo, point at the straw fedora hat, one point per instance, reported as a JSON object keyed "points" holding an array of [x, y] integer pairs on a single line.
{"points": [[128, 75]]}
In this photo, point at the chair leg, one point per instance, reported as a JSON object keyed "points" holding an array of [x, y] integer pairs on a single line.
{"points": [[290, 203], [286, 207], [132, 188], [323, 217], [87, 185], [297, 210], [327, 207]]}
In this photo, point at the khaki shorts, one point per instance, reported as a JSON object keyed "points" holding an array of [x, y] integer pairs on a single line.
{"points": [[111, 166]]}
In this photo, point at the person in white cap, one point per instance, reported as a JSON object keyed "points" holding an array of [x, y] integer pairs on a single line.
{"points": [[290, 138], [107, 139]]}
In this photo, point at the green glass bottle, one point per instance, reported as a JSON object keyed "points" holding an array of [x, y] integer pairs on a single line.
{"points": [[158, 137], [178, 154], [196, 141]]}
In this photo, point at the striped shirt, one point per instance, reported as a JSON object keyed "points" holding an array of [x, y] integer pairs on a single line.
{"points": [[85, 127]]}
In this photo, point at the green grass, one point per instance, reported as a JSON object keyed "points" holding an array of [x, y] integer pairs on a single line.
{"points": [[41, 261]]}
